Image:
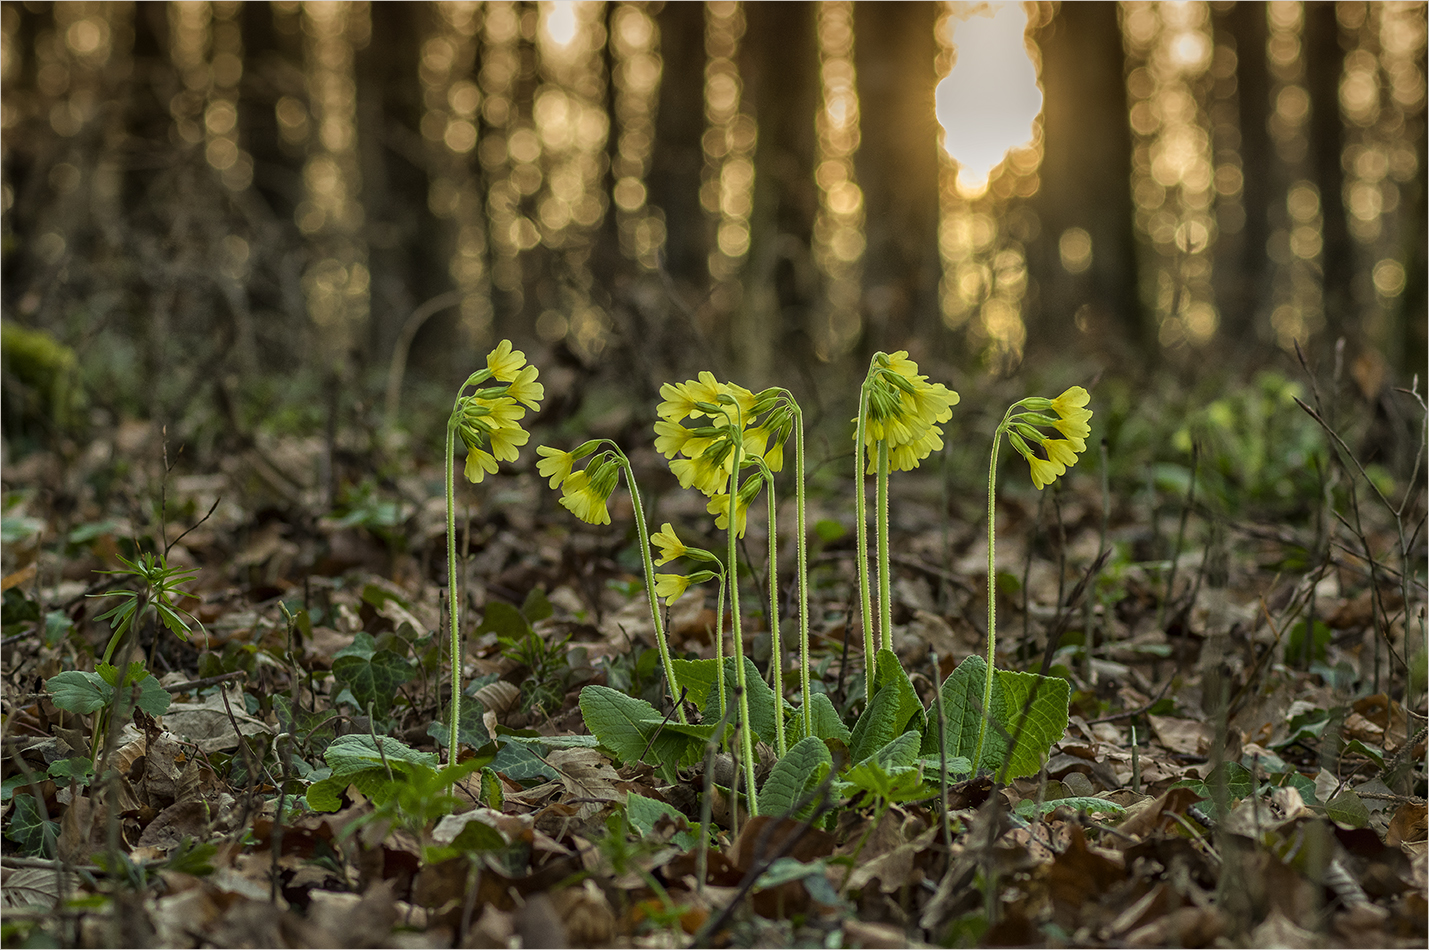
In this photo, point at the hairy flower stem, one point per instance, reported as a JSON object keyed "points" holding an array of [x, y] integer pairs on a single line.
{"points": [[719, 646], [746, 736], [644, 536], [803, 569], [776, 657], [885, 599], [454, 623], [861, 506], [986, 712]]}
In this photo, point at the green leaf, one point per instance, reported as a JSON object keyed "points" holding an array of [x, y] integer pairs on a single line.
{"points": [[1239, 782], [477, 835], [79, 691], [78, 768], [645, 812], [29, 830], [877, 726], [1027, 807], [761, 698], [827, 724], [1034, 712], [349, 755], [1347, 809], [371, 675], [1319, 642], [470, 731], [503, 620], [900, 753], [890, 785], [520, 764], [889, 674], [536, 607], [802, 767], [625, 725], [962, 698]]}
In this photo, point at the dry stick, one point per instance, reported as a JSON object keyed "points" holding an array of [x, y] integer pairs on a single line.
{"points": [[1027, 570], [397, 367], [942, 751], [1089, 608], [1176, 551], [1133, 713], [656, 734]]}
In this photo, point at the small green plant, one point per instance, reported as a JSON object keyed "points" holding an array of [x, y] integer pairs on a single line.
{"points": [[157, 594], [489, 416]]}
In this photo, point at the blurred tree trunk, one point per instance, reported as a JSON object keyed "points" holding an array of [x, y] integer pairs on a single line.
{"points": [[1248, 281], [1324, 64], [1086, 178], [897, 163]]}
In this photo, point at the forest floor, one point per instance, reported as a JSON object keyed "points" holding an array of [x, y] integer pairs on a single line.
{"points": [[1244, 763]]}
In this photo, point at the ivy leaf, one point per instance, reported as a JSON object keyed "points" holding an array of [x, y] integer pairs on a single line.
{"points": [[77, 768], [1028, 806], [371, 675], [802, 767], [521, 764], [29, 830], [79, 691]]}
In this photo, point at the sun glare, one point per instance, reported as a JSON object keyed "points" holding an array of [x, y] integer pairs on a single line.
{"points": [[989, 102], [560, 21]]}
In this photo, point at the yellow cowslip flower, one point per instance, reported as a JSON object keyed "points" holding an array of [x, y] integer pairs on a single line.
{"points": [[678, 402], [504, 362], [478, 463], [556, 465], [670, 545], [774, 456], [1060, 451], [671, 587], [671, 438], [1044, 472], [1076, 430], [1070, 404], [506, 440], [525, 389], [905, 411], [719, 506], [583, 499]]}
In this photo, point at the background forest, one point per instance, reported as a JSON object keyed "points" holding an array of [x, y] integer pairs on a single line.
{"points": [[250, 250]]}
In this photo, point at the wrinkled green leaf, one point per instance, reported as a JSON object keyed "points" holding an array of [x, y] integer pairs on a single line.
{"points": [[827, 724], [1028, 807], [349, 755], [800, 769], [79, 691], [1034, 713], [626, 725]]}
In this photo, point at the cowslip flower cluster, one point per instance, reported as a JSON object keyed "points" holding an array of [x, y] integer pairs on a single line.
{"points": [[1057, 454], [905, 411], [703, 456], [584, 492], [492, 414]]}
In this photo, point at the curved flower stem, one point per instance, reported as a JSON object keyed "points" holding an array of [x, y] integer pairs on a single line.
{"points": [[454, 621], [644, 535], [746, 733], [885, 600], [776, 657], [803, 568], [986, 711], [861, 507]]}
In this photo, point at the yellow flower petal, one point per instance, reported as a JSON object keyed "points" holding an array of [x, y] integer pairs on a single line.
{"points": [[670, 545], [504, 362], [478, 463], [671, 587], [556, 465]]}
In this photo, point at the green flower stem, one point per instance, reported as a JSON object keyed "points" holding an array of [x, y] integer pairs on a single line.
{"points": [[454, 624], [644, 536], [861, 506], [803, 569], [776, 659], [719, 645], [885, 599], [986, 711], [746, 734]]}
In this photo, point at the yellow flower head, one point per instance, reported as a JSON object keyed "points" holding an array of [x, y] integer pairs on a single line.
{"points": [[670, 546], [478, 463], [556, 465], [905, 411], [504, 362], [671, 587]]}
